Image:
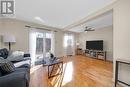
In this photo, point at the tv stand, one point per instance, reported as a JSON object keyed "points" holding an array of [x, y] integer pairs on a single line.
{"points": [[97, 54]]}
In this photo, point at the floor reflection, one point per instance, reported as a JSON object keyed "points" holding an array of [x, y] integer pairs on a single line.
{"points": [[66, 76], [68, 73]]}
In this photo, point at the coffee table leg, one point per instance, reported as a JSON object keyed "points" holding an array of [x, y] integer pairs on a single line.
{"points": [[52, 70], [60, 66], [48, 71]]}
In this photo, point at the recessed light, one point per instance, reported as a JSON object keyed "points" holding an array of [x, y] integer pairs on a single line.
{"points": [[39, 19]]}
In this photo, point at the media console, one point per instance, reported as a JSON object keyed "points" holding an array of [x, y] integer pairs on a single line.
{"points": [[97, 54]]}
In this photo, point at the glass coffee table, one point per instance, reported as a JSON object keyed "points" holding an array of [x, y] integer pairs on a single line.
{"points": [[55, 67]]}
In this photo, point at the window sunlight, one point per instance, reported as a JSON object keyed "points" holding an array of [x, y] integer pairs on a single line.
{"points": [[68, 73], [68, 40]]}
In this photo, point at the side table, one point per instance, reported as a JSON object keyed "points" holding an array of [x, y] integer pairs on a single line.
{"points": [[120, 61]]}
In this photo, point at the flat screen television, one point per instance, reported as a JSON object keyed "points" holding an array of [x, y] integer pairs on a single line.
{"points": [[94, 45]]}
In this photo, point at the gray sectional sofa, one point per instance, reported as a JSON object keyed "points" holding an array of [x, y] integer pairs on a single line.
{"points": [[21, 76]]}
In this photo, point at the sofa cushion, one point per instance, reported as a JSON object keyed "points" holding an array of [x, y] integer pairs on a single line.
{"points": [[25, 66], [6, 66], [25, 70], [18, 64], [19, 78], [0, 73], [4, 53]]}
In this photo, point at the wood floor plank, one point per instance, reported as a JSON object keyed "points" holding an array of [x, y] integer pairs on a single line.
{"points": [[79, 71]]}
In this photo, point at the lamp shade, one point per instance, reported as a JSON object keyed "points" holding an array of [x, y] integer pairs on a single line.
{"points": [[9, 38], [77, 44]]}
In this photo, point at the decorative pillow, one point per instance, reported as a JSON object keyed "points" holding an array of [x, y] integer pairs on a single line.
{"points": [[6, 66], [16, 56], [4, 53]]}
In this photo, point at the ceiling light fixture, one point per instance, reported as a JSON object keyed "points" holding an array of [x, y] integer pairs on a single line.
{"points": [[39, 19]]}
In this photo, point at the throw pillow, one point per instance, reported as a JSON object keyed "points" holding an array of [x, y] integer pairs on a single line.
{"points": [[1, 60], [6, 66], [16, 56], [4, 53]]}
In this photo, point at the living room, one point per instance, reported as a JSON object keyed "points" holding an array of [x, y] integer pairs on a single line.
{"points": [[62, 35]]}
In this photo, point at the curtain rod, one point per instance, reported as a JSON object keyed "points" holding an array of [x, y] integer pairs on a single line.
{"points": [[39, 28]]}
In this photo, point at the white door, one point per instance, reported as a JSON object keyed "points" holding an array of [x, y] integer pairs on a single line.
{"points": [[40, 44]]}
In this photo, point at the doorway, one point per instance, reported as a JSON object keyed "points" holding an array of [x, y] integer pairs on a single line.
{"points": [[40, 44]]}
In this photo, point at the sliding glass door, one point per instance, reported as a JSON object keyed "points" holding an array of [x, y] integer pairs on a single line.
{"points": [[43, 44], [40, 44]]}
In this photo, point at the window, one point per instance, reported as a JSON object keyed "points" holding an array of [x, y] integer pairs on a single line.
{"points": [[39, 43], [69, 44], [43, 43], [68, 40]]}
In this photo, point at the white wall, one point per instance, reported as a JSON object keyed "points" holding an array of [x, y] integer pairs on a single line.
{"points": [[105, 34], [18, 29], [121, 26], [59, 43]]}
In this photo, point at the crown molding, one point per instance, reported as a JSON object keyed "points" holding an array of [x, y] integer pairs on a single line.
{"points": [[94, 15]]}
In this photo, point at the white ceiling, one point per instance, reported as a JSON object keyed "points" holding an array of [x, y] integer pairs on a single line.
{"points": [[97, 23], [57, 13]]}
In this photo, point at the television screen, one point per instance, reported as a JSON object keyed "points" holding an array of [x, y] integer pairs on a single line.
{"points": [[94, 45]]}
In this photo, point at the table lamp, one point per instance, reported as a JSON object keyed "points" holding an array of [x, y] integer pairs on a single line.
{"points": [[77, 44], [9, 39]]}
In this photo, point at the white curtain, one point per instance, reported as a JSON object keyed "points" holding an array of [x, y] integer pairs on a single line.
{"points": [[53, 42], [69, 44], [32, 44]]}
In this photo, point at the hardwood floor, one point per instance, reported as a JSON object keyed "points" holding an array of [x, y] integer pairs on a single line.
{"points": [[79, 71]]}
